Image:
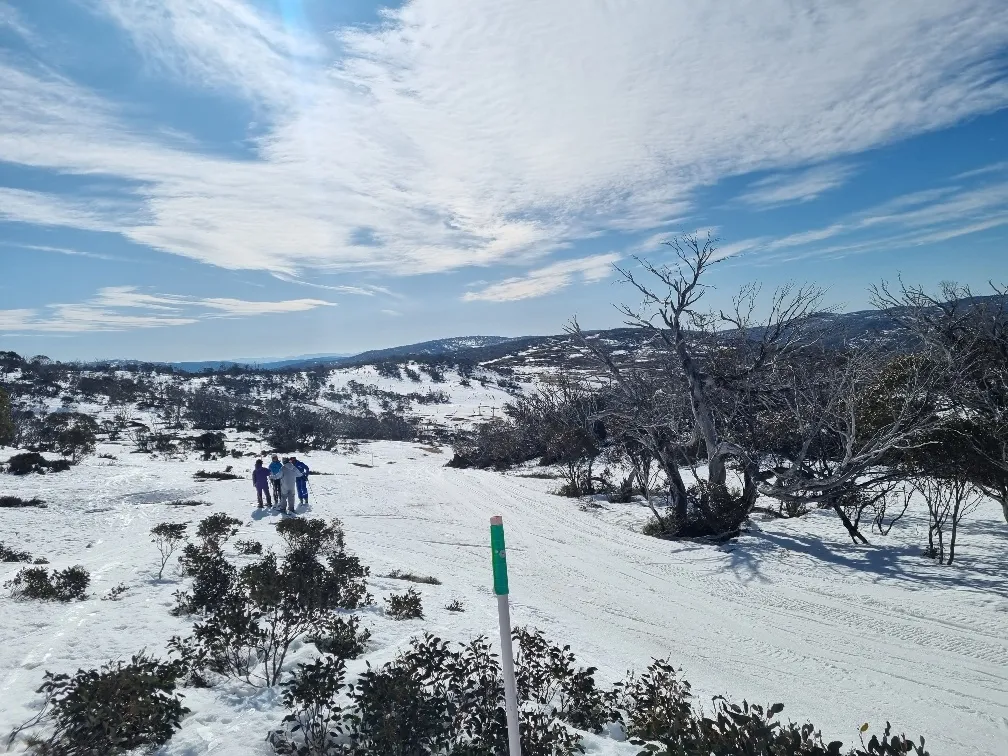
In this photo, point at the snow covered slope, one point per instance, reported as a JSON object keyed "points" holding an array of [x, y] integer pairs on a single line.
{"points": [[791, 612]]}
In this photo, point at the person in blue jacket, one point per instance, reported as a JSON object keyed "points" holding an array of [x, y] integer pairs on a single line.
{"points": [[302, 482]]}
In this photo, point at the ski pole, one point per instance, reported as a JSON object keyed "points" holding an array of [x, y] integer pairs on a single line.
{"points": [[504, 617]]}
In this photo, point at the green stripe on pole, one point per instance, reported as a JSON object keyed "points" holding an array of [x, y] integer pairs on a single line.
{"points": [[499, 556]]}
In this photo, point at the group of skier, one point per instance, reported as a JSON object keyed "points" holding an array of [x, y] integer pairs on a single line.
{"points": [[287, 479]]}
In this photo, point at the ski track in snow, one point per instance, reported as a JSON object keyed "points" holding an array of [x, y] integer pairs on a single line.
{"points": [[790, 612]]}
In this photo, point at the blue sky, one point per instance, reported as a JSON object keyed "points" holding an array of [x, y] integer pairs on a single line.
{"points": [[210, 179]]}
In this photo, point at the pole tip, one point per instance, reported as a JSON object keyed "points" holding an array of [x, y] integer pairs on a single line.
{"points": [[496, 520]]}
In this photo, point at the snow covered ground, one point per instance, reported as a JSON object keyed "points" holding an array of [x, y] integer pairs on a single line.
{"points": [[790, 612]]}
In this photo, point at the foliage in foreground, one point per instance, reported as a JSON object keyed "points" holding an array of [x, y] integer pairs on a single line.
{"points": [[113, 710], [248, 619], [442, 698]]}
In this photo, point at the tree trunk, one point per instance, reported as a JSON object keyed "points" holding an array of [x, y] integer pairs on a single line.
{"points": [[852, 530], [952, 535]]}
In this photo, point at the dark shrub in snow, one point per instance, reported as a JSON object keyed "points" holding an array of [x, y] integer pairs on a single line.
{"points": [[13, 555], [251, 618], [62, 585], [316, 717], [113, 710], [435, 699], [404, 606], [29, 462], [215, 475], [549, 675], [341, 636], [14, 502], [210, 444], [216, 529], [249, 548]]}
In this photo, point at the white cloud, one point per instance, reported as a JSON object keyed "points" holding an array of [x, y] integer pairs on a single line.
{"points": [[463, 134], [546, 280], [925, 217], [797, 187], [122, 308]]}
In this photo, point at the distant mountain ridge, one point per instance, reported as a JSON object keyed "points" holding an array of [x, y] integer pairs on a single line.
{"points": [[833, 329], [435, 348]]}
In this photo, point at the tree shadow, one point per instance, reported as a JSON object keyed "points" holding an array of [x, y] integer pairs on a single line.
{"points": [[984, 568]]}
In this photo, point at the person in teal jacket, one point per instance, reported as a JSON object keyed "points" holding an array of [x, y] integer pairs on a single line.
{"points": [[274, 469]]}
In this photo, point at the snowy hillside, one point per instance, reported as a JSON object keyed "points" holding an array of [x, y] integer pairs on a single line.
{"points": [[789, 612]]}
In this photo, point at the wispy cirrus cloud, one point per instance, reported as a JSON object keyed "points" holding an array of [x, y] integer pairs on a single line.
{"points": [[546, 280], [802, 186], [913, 219], [413, 129], [122, 308]]}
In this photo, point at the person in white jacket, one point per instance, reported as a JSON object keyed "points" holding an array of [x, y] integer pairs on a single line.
{"points": [[289, 475]]}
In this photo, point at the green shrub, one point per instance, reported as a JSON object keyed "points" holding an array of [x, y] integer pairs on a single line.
{"points": [[412, 578], [250, 619], [167, 536], [404, 606], [549, 676], [249, 548], [315, 717], [62, 585], [29, 462], [433, 699], [341, 636], [313, 535], [216, 529], [113, 710], [13, 555]]}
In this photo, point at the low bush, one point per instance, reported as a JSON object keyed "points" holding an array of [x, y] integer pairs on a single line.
{"points": [[341, 636], [34, 462], [213, 579], [13, 555], [249, 548], [168, 537], [548, 675], [250, 619], [215, 475], [113, 710], [216, 529], [434, 699], [114, 594], [455, 606], [187, 503], [411, 578], [313, 535], [404, 606], [61, 585], [441, 698], [315, 717], [16, 502], [211, 444]]}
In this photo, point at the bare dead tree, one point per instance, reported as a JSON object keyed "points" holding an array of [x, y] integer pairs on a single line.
{"points": [[968, 336], [848, 415], [949, 499], [727, 379]]}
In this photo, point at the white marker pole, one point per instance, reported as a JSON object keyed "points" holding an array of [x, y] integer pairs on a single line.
{"points": [[504, 616]]}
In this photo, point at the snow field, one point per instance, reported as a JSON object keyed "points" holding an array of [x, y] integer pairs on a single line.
{"points": [[790, 612]]}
